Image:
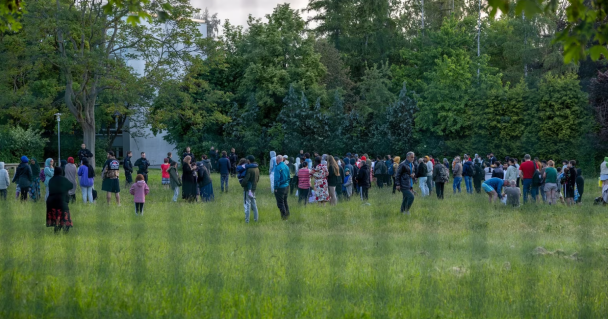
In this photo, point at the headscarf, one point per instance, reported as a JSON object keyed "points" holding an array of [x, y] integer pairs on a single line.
{"points": [[58, 171], [47, 163], [63, 163], [85, 162], [35, 168], [24, 159], [71, 160]]}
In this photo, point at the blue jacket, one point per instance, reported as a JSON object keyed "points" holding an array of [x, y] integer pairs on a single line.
{"points": [[496, 183], [224, 165], [468, 165], [281, 175]]}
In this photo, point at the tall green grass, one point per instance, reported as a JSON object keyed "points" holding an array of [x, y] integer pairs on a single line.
{"points": [[457, 258]]}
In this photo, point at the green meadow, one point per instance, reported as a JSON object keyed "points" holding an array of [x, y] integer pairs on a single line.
{"points": [[457, 258]]}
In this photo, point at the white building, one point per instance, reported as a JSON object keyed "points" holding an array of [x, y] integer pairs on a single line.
{"points": [[155, 146]]}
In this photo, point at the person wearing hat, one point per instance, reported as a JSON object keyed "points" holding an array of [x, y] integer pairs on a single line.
{"points": [[57, 208], [71, 173]]}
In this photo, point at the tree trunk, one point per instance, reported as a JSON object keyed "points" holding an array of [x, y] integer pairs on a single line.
{"points": [[89, 138]]}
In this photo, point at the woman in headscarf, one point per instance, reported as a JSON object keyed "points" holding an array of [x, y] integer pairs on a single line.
{"points": [[23, 177], [63, 164], [57, 209], [71, 173], [188, 180], [35, 188], [48, 174], [320, 174]]}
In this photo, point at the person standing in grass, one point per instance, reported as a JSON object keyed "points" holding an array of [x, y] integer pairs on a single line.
{"points": [[580, 185], [570, 178], [128, 166], [142, 166], [5, 181], [87, 179], [57, 203], [363, 179], [170, 157], [84, 153], [457, 172], [468, 172], [380, 170], [334, 179], [493, 187], [348, 183], [224, 168], [479, 174], [241, 169], [355, 173], [320, 174], [405, 182], [110, 182], [174, 181], [303, 183], [526, 171], [164, 167], [511, 173], [71, 173], [205, 183], [233, 160], [429, 173], [422, 177], [396, 162], [250, 184], [551, 188], [440, 176], [139, 190], [187, 152], [49, 172], [272, 164], [189, 179], [23, 178], [281, 186], [35, 187]]}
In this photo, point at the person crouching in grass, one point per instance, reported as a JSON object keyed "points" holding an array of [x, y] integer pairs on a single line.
{"points": [[139, 190], [493, 188]]}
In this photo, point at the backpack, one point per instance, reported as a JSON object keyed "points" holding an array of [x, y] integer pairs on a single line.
{"points": [[42, 176], [443, 175], [391, 171]]}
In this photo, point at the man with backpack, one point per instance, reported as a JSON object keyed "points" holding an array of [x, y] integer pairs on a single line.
{"points": [[469, 172], [440, 176], [110, 182], [479, 174]]}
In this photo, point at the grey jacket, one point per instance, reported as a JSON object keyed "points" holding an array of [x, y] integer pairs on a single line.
{"points": [[5, 182]]}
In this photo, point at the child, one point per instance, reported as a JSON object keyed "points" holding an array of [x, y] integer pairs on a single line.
{"points": [[348, 183], [166, 180], [241, 170], [176, 183], [139, 190]]}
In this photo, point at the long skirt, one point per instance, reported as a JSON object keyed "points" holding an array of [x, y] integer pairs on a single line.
{"points": [[35, 189], [189, 191], [58, 212], [207, 192]]}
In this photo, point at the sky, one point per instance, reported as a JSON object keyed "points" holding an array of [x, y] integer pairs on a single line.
{"points": [[237, 11]]}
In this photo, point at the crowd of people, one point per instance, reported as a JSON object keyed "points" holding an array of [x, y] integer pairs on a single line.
{"points": [[312, 178]]}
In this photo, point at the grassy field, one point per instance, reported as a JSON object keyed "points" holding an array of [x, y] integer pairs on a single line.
{"points": [[459, 258]]}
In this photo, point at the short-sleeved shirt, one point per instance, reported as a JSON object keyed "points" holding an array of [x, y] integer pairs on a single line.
{"points": [[528, 169], [551, 175]]}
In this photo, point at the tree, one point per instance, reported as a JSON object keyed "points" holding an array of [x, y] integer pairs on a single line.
{"points": [[374, 89], [400, 117], [86, 41], [598, 96]]}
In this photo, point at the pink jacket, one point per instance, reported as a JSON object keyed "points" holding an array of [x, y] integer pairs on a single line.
{"points": [[139, 191]]}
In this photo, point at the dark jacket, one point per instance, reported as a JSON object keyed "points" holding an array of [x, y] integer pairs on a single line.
{"points": [[142, 165], [174, 180], [82, 153], [204, 178], [380, 168], [224, 166], [363, 176], [128, 166], [23, 176], [437, 172], [422, 171], [498, 173], [188, 174], [233, 159], [468, 167], [252, 177], [333, 179], [59, 187], [580, 182], [403, 177], [184, 154], [206, 163]]}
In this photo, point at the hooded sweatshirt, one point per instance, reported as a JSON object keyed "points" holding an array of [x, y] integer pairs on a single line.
{"points": [[70, 173], [83, 173], [23, 176], [604, 167], [49, 172], [139, 191], [273, 161], [4, 180]]}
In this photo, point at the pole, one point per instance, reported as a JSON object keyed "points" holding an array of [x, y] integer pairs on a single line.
{"points": [[58, 138]]}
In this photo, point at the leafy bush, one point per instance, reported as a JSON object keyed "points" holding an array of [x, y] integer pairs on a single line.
{"points": [[16, 142]]}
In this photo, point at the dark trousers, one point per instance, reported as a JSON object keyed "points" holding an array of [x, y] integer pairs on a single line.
{"points": [[128, 178], [380, 180], [363, 191], [281, 195], [355, 186], [233, 171], [139, 208], [408, 199], [224, 181], [477, 185], [145, 176], [73, 198], [439, 189], [3, 193], [394, 185], [303, 195], [388, 180], [24, 192]]}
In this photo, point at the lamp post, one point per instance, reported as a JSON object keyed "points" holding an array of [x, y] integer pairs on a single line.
{"points": [[58, 138]]}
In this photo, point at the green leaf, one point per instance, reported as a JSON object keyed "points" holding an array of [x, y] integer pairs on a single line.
{"points": [[597, 50]]}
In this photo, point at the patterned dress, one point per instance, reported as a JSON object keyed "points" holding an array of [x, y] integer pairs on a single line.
{"points": [[320, 174]]}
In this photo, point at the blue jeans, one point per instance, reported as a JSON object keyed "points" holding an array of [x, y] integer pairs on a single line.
{"points": [[528, 189], [250, 204], [468, 184], [224, 180], [457, 181], [424, 187], [87, 193], [175, 194]]}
